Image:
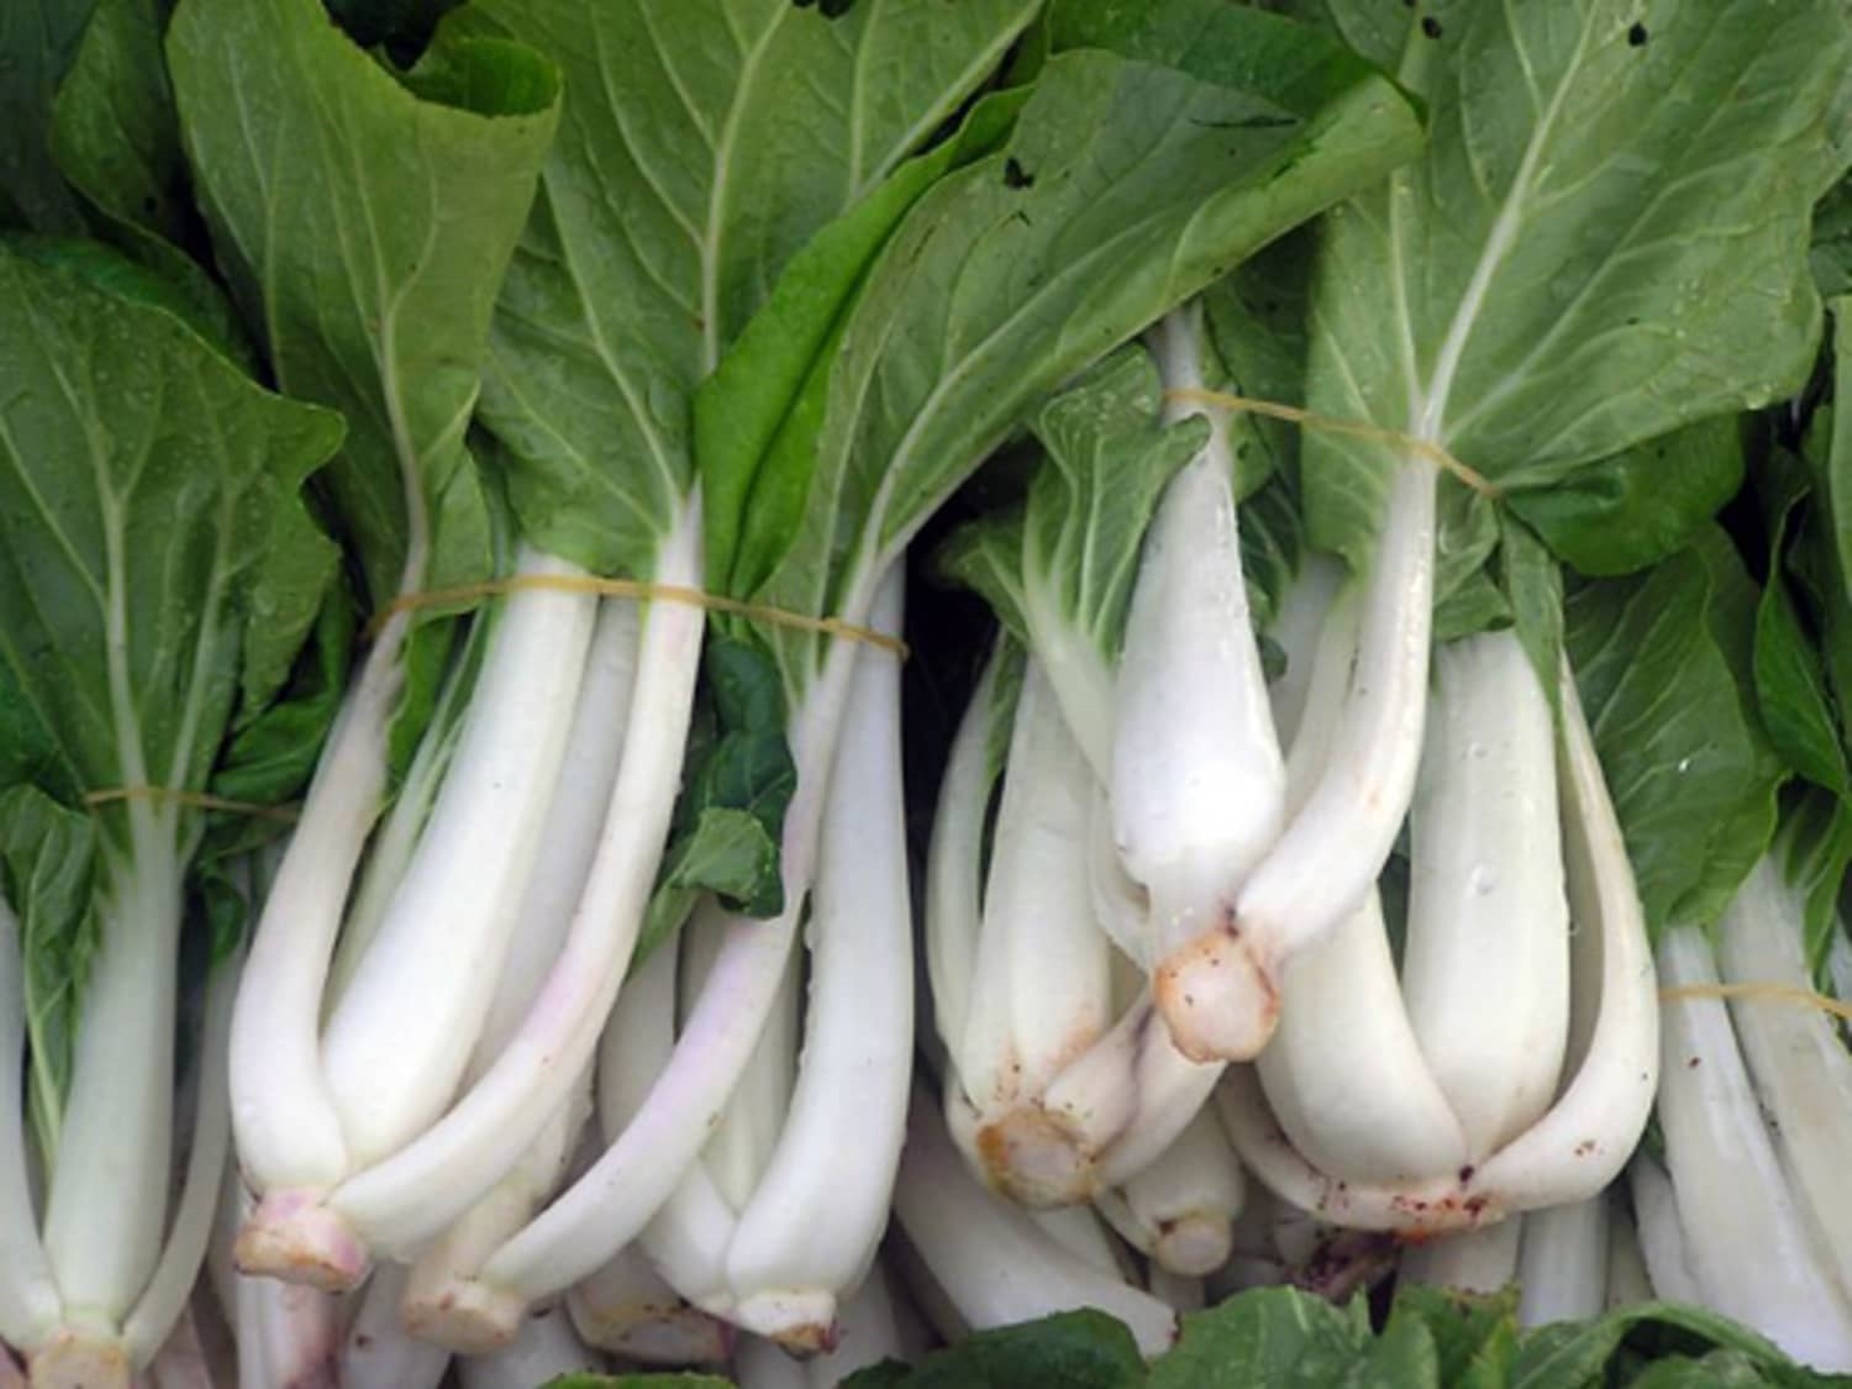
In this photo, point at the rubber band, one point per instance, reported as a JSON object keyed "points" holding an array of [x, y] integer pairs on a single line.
{"points": [[1360, 429], [1763, 990], [198, 800], [645, 592]]}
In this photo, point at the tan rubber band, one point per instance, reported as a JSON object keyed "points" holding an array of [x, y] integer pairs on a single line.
{"points": [[1359, 429], [1765, 991], [199, 800], [646, 592]]}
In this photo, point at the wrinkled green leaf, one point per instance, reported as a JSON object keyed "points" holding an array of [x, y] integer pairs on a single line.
{"points": [[1272, 544], [1628, 512], [1273, 1336], [1662, 665], [38, 40], [1124, 188], [1071, 1350], [1832, 241], [1475, 1337], [1603, 243], [703, 144], [364, 218], [1256, 317], [1575, 1353], [1815, 851]]}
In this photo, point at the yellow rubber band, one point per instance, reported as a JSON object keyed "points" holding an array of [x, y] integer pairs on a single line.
{"points": [[1359, 429], [199, 800], [645, 592], [1766, 991]]}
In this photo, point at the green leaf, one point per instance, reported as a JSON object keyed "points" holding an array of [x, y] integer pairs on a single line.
{"points": [[1838, 464], [1662, 664], [1629, 511], [141, 475], [38, 40], [47, 859], [1070, 1350], [1274, 1336], [1256, 317], [1791, 685], [1598, 215], [1475, 1337], [1832, 241], [1124, 188], [1815, 850], [364, 218], [1577, 1353], [1272, 544], [704, 143]]}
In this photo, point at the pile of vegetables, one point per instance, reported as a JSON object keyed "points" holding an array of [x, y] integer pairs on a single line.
{"points": [[894, 692]]}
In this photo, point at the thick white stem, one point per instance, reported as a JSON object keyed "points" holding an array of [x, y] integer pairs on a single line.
{"points": [[954, 862], [1485, 969], [1628, 1283], [626, 1307], [30, 1308], [760, 1364], [545, 1348], [992, 1262], [810, 1230], [1745, 1237], [1563, 1263], [1080, 1231], [1324, 863], [1041, 991], [288, 1132], [1198, 784], [164, 1298], [392, 1069], [285, 1335], [107, 1205], [1121, 908], [1802, 1071], [1662, 1232], [433, 1180], [1472, 1261], [1181, 1209], [379, 1352]]}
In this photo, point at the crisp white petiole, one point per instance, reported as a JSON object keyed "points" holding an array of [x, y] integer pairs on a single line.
{"points": [[1485, 968], [1563, 1262], [1662, 1233], [1198, 784], [816, 1216], [30, 1308], [1180, 1210], [545, 1348], [1467, 1261], [379, 1353], [1628, 1283]]}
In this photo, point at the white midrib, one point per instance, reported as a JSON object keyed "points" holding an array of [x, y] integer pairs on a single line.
{"points": [[1428, 411]]}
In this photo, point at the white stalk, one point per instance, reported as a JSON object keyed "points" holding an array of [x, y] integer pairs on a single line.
{"points": [[379, 1352], [1299, 627], [107, 1204], [811, 1228], [181, 1361], [1628, 1283], [626, 1307], [30, 1308], [1078, 1229], [164, 1298], [1323, 864], [868, 1332], [545, 1349], [1170, 1090], [1802, 1071], [1198, 784], [994, 1265], [1485, 969], [283, 1116], [955, 857], [1121, 908], [945, 1324], [1471, 1261], [1746, 1239], [392, 1069], [1041, 989], [411, 1196], [1662, 1232], [1181, 1209], [285, 1335], [761, 1364], [1563, 1263]]}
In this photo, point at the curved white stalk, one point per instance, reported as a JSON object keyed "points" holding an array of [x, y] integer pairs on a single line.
{"points": [[392, 1069], [1041, 990], [287, 1130], [106, 1207], [868, 1332], [626, 1307], [1181, 1209], [1467, 1261], [955, 857], [30, 1307], [945, 1324], [1563, 1262], [1121, 908], [1746, 1240], [1198, 784], [1325, 861], [545, 1348], [1300, 626], [1485, 968], [379, 1353], [412, 1195], [817, 1214], [1802, 1071], [1662, 1232], [993, 1264], [1628, 1283], [1079, 1230], [164, 1298], [1170, 1089]]}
